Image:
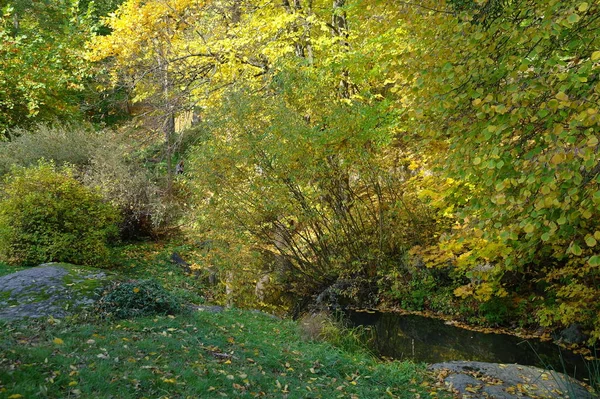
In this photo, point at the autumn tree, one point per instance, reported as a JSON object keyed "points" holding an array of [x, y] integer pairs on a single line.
{"points": [[513, 97], [42, 68]]}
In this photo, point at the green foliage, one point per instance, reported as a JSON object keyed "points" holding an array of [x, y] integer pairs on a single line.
{"points": [[153, 260], [520, 127], [317, 202], [62, 144], [138, 298], [105, 161], [322, 326], [47, 215], [42, 68]]}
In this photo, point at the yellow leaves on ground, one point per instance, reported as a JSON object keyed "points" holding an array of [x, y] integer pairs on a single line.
{"points": [[58, 341]]}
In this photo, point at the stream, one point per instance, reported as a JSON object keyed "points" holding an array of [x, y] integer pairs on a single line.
{"points": [[430, 340]]}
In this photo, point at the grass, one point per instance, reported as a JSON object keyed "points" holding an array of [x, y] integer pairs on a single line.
{"points": [[200, 355], [192, 355], [5, 269], [152, 260]]}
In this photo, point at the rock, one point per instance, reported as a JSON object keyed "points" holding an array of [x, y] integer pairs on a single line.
{"points": [[479, 380], [573, 335], [209, 308], [52, 289], [178, 260]]}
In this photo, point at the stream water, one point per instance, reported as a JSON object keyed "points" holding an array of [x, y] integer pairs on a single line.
{"points": [[431, 340]]}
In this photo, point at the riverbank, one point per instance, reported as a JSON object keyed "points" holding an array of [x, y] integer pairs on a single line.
{"points": [[233, 353]]}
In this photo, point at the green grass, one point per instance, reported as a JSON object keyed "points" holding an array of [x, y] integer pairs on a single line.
{"points": [[5, 269], [201, 355], [152, 260], [193, 355]]}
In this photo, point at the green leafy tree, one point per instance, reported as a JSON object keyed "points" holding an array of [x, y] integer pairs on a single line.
{"points": [[42, 68]]}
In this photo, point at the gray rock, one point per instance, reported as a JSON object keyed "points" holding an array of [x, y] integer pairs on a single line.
{"points": [[52, 289], [478, 380], [573, 334], [209, 308]]}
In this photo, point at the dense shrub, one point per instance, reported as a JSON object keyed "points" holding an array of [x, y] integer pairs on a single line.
{"points": [[64, 144], [47, 215], [105, 161], [127, 185], [332, 206], [138, 298]]}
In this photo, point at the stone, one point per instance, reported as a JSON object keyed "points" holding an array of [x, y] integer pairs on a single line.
{"points": [[178, 260], [573, 334], [52, 289], [479, 380]]}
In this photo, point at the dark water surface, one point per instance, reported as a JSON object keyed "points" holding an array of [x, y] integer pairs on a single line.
{"points": [[432, 341]]}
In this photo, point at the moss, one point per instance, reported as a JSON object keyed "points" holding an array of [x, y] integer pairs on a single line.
{"points": [[79, 285]]}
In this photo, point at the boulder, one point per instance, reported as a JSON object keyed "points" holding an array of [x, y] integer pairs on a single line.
{"points": [[573, 335], [51, 289], [479, 380]]}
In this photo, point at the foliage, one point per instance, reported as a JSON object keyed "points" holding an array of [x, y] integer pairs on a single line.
{"points": [[138, 298], [62, 144], [322, 326], [519, 125], [339, 135], [125, 183], [153, 260], [47, 215], [332, 206], [42, 68], [106, 161]]}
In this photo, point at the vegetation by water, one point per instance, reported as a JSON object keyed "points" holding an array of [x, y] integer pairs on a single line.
{"points": [[230, 354], [428, 155]]}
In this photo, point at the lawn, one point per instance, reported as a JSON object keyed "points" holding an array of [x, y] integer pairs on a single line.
{"points": [[196, 355]]}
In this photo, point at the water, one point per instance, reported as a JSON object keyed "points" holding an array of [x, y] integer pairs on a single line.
{"points": [[432, 341]]}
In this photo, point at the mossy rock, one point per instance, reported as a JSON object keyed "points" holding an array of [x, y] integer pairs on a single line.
{"points": [[51, 289]]}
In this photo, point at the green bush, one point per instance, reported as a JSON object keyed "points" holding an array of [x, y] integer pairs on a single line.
{"points": [[138, 298], [47, 215], [62, 144], [105, 161]]}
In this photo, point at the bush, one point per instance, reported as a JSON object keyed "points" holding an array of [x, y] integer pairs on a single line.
{"points": [[129, 187], [138, 298], [103, 161], [61, 144], [47, 215]]}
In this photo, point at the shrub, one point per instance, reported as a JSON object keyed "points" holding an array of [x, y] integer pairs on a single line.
{"points": [[47, 215], [104, 160], [129, 187], [138, 298], [61, 144]]}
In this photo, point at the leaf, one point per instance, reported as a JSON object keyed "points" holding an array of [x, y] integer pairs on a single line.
{"points": [[136, 290], [575, 249], [594, 261], [590, 241], [573, 18], [595, 56], [58, 341], [15, 396]]}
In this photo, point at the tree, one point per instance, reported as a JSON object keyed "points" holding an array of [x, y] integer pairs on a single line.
{"points": [[42, 68], [513, 97]]}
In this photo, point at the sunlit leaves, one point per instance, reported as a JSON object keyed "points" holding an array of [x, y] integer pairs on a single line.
{"points": [[523, 111]]}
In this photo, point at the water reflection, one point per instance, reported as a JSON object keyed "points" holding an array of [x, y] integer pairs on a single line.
{"points": [[431, 341]]}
